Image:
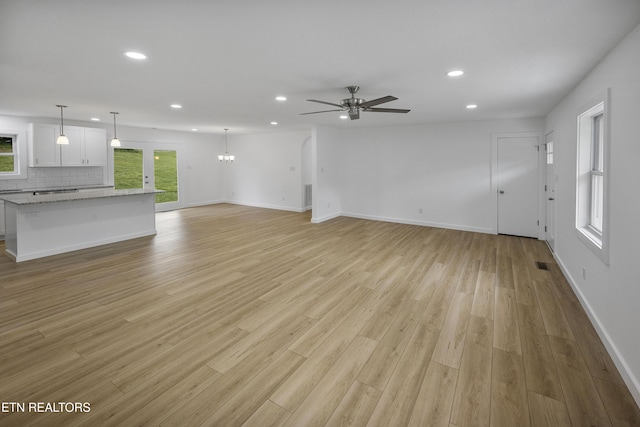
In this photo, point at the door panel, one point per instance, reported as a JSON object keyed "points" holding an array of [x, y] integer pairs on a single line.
{"points": [[518, 186], [165, 178]]}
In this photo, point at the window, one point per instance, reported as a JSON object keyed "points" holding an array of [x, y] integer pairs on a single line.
{"points": [[550, 152], [597, 175], [8, 158], [591, 182]]}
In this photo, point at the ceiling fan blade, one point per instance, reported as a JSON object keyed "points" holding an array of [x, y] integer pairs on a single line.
{"points": [[316, 112], [325, 102], [387, 110], [378, 101]]}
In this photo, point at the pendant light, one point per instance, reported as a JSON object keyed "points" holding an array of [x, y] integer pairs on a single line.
{"points": [[115, 142], [62, 139], [226, 157]]}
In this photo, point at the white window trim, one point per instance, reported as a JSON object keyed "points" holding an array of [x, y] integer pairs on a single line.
{"points": [[20, 153], [597, 241]]}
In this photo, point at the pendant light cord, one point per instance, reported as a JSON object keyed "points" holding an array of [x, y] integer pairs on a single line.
{"points": [[114, 124], [61, 118]]}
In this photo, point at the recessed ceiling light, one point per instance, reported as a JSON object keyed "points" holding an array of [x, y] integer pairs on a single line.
{"points": [[281, 98], [344, 116], [95, 119], [455, 73], [194, 130], [472, 106], [135, 55], [274, 123], [176, 106]]}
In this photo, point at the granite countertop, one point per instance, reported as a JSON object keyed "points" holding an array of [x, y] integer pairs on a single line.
{"points": [[41, 190], [66, 196]]}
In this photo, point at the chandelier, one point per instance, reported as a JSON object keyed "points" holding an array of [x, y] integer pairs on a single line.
{"points": [[226, 157]]}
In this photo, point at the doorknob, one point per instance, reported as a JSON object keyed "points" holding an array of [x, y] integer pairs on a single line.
{"points": [[501, 191], [551, 198]]}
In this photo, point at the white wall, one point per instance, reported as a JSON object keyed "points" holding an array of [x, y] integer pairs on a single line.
{"points": [[200, 173], [391, 173], [610, 294], [326, 152], [267, 171]]}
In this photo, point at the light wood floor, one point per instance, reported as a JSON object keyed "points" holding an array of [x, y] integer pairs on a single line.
{"points": [[241, 316]]}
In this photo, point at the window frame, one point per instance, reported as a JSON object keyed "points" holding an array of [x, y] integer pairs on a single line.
{"points": [[592, 195], [12, 154], [19, 154]]}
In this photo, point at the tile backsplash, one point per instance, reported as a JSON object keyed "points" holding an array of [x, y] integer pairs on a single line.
{"points": [[56, 177]]}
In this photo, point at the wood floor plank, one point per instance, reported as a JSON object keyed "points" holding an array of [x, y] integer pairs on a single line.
{"points": [[298, 386], [250, 397], [584, 404], [539, 367], [448, 350], [317, 408], [555, 321], [472, 398], [324, 327], [398, 398], [268, 415], [506, 332], [619, 403], [383, 361], [356, 406], [435, 398], [236, 315], [484, 296], [509, 400], [264, 335], [522, 282], [593, 350], [547, 412]]}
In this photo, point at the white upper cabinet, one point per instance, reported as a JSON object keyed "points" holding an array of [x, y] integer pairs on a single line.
{"points": [[43, 150], [95, 147], [87, 146], [73, 153]]}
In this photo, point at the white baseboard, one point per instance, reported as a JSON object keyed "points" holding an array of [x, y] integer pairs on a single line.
{"points": [[265, 206], [318, 220], [627, 375], [76, 247], [205, 203], [421, 223]]}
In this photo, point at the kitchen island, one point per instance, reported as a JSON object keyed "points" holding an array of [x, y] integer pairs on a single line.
{"points": [[50, 223]]}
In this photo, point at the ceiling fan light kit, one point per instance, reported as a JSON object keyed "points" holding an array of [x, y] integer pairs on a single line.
{"points": [[353, 106]]}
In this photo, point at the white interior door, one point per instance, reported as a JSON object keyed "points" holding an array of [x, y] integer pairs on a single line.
{"points": [[517, 183], [550, 193]]}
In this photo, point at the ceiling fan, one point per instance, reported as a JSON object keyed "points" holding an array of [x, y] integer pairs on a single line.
{"points": [[354, 105]]}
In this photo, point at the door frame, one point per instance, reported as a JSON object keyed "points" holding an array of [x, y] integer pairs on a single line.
{"points": [[148, 149], [494, 176], [550, 191]]}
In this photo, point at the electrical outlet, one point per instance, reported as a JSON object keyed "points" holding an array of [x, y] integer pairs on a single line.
{"points": [[420, 210]]}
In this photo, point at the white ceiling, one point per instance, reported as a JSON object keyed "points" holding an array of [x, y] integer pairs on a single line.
{"points": [[226, 60]]}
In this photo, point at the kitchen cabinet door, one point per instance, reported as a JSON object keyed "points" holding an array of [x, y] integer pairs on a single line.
{"points": [[73, 153], [43, 150], [95, 147]]}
